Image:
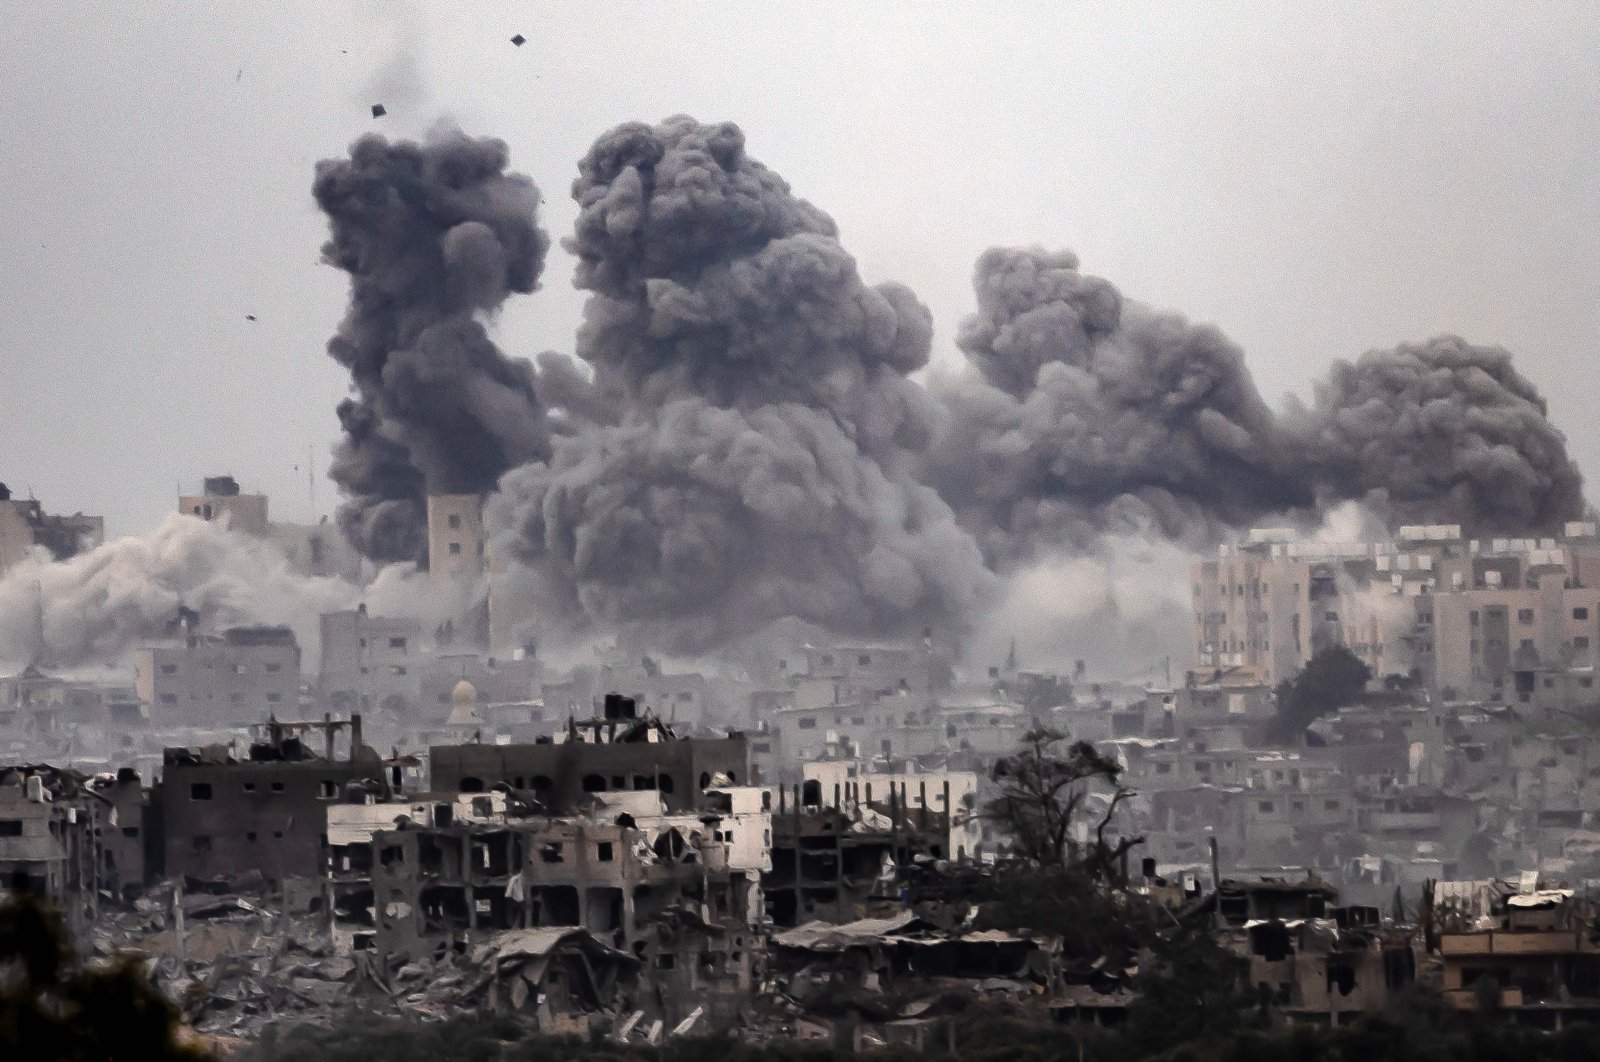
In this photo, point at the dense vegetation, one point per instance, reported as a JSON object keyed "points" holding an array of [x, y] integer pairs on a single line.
{"points": [[1332, 678], [54, 1007]]}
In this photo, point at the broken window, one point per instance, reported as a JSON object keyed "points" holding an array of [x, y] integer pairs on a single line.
{"points": [[392, 855], [551, 852], [327, 789], [604, 852], [10, 827], [594, 783], [277, 787], [199, 790]]}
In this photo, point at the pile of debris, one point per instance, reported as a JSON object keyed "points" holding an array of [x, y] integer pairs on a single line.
{"points": [[233, 963], [899, 979]]}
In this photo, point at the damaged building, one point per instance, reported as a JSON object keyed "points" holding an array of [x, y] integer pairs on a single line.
{"points": [[1526, 951], [1312, 959], [621, 751], [221, 815], [836, 855], [24, 526], [71, 837], [234, 678], [675, 891]]}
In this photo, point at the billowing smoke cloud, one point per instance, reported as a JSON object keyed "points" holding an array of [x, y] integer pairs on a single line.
{"points": [[1120, 603], [1441, 431], [433, 236], [1085, 414], [99, 604], [755, 458], [1082, 413]]}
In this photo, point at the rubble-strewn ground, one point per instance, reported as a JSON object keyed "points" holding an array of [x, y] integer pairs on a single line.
{"points": [[243, 965]]}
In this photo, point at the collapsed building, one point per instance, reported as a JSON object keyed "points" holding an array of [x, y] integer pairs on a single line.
{"points": [[668, 875], [837, 857], [1310, 958], [70, 837], [25, 526]]}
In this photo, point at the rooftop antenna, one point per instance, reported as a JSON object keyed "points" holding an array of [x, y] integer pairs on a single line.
{"points": [[38, 619]]}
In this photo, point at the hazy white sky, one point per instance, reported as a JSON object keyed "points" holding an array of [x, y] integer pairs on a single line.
{"points": [[1316, 179]]}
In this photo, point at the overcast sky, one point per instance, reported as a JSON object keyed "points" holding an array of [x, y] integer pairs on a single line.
{"points": [[1318, 180]]}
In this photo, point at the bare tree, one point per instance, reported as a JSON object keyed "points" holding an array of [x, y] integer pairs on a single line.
{"points": [[1045, 790]]}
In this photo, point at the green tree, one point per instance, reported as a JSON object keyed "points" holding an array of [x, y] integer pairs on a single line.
{"points": [[1331, 679], [52, 1006]]}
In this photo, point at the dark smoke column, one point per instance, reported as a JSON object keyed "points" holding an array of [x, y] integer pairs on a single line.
{"points": [[1442, 432], [433, 236], [755, 460], [1083, 413]]}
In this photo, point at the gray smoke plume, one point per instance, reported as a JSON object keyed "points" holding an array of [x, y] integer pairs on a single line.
{"points": [[1441, 431], [755, 457], [433, 236], [1084, 413]]}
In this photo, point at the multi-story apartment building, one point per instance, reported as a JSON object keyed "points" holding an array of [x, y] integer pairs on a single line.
{"points": [[243, 676], [370, 661], [1508, 619]]}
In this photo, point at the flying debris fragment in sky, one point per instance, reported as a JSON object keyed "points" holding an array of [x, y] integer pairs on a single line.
{"points": [[249, 317], [378, 110], [519, 40]]}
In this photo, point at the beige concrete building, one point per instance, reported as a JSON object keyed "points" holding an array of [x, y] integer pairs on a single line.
{"points": [[244, 676], [24, 525], [221, 500], [370, 662], [1507, 619], [456, 544]]}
